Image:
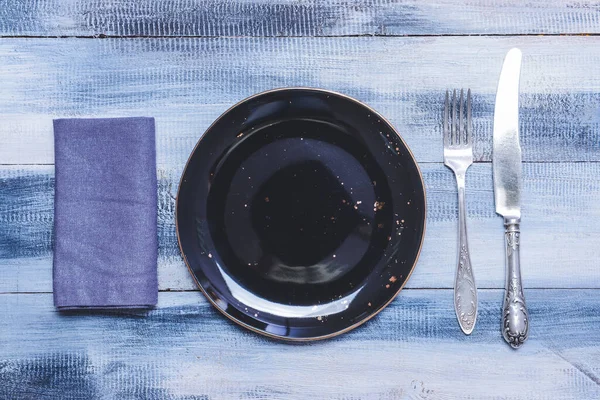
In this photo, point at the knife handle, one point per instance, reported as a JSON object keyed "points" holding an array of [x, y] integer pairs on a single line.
{"points": [[515, 319]]}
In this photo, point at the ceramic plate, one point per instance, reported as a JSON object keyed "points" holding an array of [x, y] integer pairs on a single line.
{"points": [[300, 213]]}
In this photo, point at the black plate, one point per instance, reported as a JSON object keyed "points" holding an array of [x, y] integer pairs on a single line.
{"points": [[300, 213]]}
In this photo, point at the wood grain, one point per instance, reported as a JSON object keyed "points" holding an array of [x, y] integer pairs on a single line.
{"points": [[231, 49], [559, 229], [186, 83], [184, 350], [295, 18]]}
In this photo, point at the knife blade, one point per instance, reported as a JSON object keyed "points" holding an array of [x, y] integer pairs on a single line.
{"points": [[506, 163], [507, 150]]}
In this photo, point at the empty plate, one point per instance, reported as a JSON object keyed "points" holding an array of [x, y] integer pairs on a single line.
{"points": [[300, 213]]}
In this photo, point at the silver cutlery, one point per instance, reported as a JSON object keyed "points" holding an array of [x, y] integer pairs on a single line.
{"points": [[458, 156], [506, 164]]}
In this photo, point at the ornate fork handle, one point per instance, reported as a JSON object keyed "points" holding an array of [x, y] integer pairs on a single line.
{"points": [[515, 319], [465, 292]]}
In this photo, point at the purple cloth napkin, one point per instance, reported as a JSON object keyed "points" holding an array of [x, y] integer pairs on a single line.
{"points": [[105, 245]]}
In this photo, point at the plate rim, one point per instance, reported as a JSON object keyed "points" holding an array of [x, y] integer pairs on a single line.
{"points": [[356, 324]]}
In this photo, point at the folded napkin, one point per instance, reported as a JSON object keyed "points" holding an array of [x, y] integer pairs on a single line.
{"points": [[105, 244]]}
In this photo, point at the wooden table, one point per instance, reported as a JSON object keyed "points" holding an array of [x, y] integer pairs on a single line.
{"points": [[185, 62]]}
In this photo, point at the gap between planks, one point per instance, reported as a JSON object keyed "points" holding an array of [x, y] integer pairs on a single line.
{"points": [[374, 35], [482, 289], [418, 162]]}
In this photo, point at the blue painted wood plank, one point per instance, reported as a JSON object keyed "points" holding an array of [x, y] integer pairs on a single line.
{"points": [[559, 228], [295, 18], [413, 349], [183, 349], [187, 83]]}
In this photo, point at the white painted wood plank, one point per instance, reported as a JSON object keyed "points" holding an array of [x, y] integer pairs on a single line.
{"points": [[187, 83], [413, 349], [295, 18], [559, 229]]}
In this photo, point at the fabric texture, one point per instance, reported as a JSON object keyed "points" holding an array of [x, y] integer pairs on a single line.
{"points": [[105, 243]]}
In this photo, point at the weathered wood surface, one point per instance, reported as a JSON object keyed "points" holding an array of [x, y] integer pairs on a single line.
{"points": [[295, 18], [412, 350], [560, 228], [186, 83]]}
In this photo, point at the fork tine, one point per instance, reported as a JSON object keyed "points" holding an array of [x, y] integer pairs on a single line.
{"points": [[446, 112], [469, 117], [461, 126], [453, 112]]}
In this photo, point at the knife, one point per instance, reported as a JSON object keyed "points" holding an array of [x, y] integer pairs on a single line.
{"points": [[506, 164]]}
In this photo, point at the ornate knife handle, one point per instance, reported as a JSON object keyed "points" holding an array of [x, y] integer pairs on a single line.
{"points": [[515, 319]]}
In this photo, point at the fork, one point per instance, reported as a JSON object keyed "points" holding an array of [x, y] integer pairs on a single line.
{"points": [[458, 156]]}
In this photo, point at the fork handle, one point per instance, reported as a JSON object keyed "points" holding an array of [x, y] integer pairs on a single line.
{"points": [[465, 292], [515, 318]]}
